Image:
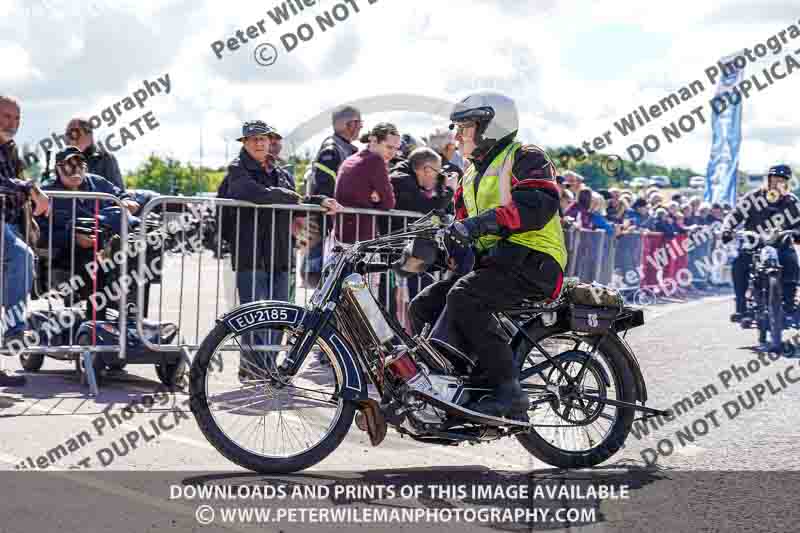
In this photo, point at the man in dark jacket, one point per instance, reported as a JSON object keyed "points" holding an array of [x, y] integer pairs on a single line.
{"points": [[335, 149], [638, 213], [260, 239], [72, 175], [321, 179], [17, 266], [100, 162], [420, 186]]}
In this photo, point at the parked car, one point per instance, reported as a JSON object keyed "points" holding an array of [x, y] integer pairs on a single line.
{"points": [[640, 182], [660, 181], [697, 182]]}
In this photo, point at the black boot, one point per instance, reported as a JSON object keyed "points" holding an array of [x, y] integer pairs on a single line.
{"points": [[507, 401]]}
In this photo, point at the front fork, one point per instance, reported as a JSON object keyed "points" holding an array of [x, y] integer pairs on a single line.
{"points": [[312, 326], [762, 310]]}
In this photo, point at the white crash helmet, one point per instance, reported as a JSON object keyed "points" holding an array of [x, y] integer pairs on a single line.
{"points": [[496, 115]]}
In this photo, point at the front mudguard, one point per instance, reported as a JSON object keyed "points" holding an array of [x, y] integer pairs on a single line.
{"points": [[265, 313]]}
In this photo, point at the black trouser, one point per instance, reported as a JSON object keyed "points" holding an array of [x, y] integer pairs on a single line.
{"points": [[83, 257], [511, 274], [787, 256], [416, 284], [429, 303]]}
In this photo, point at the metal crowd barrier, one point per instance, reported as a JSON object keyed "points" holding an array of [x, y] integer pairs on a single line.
{"points": [[643, 262], [58, 290], [199, 283]]}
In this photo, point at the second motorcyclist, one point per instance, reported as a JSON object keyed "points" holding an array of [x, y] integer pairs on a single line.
{"points": [[769, 209]]}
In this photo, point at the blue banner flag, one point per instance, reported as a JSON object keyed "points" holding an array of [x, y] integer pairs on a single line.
{"points": [[726, 124]]}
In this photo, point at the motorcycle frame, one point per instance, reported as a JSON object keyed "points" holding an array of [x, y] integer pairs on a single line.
{"points": [[309, 324]]}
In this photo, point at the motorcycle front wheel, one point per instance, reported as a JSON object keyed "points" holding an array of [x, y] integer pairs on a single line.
{"points": [[259, 418]]}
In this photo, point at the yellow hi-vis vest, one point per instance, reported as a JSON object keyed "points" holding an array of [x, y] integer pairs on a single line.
{"points": [[494, 191]]}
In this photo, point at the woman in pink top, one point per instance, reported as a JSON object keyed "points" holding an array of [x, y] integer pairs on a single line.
{"points": [[363, 182]]}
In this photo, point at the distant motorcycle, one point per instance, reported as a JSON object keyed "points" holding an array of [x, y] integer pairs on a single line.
{"points": [[764, 297], [299, 376]]}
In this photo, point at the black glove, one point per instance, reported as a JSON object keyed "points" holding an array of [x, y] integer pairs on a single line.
{"points": [[727, 236], [463, 232]]}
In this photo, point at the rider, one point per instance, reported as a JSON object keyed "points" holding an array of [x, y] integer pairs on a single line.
{"points": [[507, 210], [767, 209]]}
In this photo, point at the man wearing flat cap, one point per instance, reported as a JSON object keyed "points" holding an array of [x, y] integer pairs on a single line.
{"points": [[260, 239]]}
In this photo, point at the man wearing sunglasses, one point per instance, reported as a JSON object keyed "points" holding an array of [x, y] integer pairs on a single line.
{"points": [[72, 175], [17, 256], [507, 212]]}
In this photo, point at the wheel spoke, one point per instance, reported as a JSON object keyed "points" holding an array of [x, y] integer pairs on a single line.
{"points": [[574, 423], [264, 413]]}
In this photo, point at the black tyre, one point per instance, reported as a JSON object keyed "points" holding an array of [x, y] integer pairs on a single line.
{"points": [[609, 375], [31, 362], [211, 365], [173, 375], [775, 310]]}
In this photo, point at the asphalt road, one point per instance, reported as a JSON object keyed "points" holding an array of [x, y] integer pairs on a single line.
{"points": [[686, 350]]}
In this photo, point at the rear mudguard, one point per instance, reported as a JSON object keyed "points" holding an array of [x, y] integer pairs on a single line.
{"points": [[270, 312], [534, 326]]}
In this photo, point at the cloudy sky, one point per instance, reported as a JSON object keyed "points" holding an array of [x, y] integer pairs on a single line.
{"points": [[573, 67]]}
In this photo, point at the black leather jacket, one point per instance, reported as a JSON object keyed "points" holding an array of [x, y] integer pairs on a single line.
{"points": [[264, 241], [758, 214]]}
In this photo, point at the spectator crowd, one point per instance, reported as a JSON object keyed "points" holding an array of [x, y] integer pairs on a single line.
{"points": [[392, 171], [619, 211]]}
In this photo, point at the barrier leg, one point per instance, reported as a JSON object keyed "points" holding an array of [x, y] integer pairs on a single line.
{"points": [[88, 372]]}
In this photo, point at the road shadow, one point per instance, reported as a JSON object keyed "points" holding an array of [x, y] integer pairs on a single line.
{"points": [[59, 392]]}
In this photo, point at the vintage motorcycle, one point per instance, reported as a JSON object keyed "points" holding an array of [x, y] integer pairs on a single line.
{"points": [[280, 408], [764, 297]]}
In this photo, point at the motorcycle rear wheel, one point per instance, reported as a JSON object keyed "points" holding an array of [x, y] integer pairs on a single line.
{"points": [[549, 444]]}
